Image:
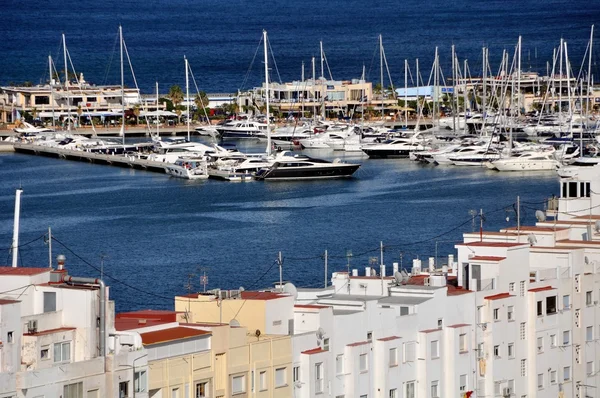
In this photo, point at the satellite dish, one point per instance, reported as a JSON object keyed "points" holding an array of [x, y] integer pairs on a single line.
{"points": [[531, 239], [290, 289], [597, 226], [398, 277], [540, 215], [241, 288], [320, 334], [234, 323], [373, 272], [405, 275]]}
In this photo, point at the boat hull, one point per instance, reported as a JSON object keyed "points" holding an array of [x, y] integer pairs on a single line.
{"points": [[301, 173], [386, 153]]}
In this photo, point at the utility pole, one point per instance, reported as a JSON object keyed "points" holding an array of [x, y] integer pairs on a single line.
{"points": [[102, 257], [280, 262], [518, 215], [481, 225], [50, 248], [381, 267], [203, 278]]}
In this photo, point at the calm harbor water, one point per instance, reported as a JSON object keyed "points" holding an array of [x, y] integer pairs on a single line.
{"points": [[155, 230], [220, 38]]}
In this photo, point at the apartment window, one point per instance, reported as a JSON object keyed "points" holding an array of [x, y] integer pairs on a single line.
{"points": [[252, 381], [62, 351], [339, 364], [511, 350], [369, 336], [262, 381], [550, 305], [480, 350], [522, 288], [553, 377], [566, 373], [589, 368], [588, 298], [435, 349], [523, 367], [393, 393], [566, 337], [496, 314], [409, 351], [326, 344], [434, 389], [497, 387], [9, 337], [462, 342], [238, 384], [511, 287], [511, 385], [45, 352], [393, 357], [462, 383], [123, 389], [540, 381], [296, 373], [522, 330], [540, 344], [140, 381], [440, 323], [364, 365], [175, 393], [410, 389], [510, 313], [566, 302], [201, 390], [552, 341], [539, 309], [319, 378], [496, 351], [280, 379], [589, 333], [93, 393], [49, 302], [74, 390]]}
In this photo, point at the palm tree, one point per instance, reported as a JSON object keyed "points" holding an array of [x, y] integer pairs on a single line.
{"points": [[136, 112], [175, 95], [201, 102]]}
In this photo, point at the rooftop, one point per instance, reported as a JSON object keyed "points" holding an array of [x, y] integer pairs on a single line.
{"points": [[498, 296], [6, 301], [50, 331], [357, 344], [23, 271], [492, 244], [313, 351], [541, 289], [487, 258], [401, 299], [172, 334], [311, 306], [390, 338]]}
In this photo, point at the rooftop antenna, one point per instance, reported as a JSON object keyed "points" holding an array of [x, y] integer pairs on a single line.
{"points": [[15, 241], [48, 241]]}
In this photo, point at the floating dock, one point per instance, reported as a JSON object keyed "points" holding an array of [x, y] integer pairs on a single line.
{"points": [[131, 161]]}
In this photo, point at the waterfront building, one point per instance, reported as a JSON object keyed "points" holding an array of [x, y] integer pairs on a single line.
{"points": [[58, 339]]}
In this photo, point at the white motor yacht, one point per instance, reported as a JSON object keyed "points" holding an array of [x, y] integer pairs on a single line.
{"points": [[188, 168], [395, 148], [477, 158], [28, 128], [526, 161], [242, 129]]}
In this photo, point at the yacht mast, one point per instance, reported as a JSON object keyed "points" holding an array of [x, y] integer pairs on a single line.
{"points": [[303, 89], [267, 93], [122, 85], [157, 113], [406, 92], [381, 76], [187, 94], [322, 82], [465, 97], [51, 90], [314, 84], [484, 99], [589, 87], [560, 68], [67, 83], [454, 98], [519, 79]]}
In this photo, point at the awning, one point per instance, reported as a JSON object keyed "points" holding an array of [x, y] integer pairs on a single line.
{"points": [[157, 113]]}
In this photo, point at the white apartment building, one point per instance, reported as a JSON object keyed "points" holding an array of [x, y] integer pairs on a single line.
{"points": [[58, 339]]}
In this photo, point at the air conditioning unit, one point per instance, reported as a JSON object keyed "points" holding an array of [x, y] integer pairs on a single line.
{"points": [[32, 326], [507, 392]]}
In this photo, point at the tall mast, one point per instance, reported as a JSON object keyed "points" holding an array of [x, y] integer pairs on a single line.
{"points": [[314, 86], [122, 85], [435, 86], [157, 113], [267, 93], [303, 89], [381, 75], [51, 90], [323, 91], [589, 87], [454, 74], [406, 92], [519, 79], [64, 40], [465, 97], [484, 99], [187, 94], [560, 66]]}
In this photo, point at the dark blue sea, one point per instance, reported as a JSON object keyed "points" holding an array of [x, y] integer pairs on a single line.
{"points": [[153, 232]]}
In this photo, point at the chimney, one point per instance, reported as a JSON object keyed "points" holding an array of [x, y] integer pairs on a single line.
{"points": [[382, 270], [367, 271], [451, 261], [416, 269], [431, 264], [395, 267], [354, 272], [60, 260]]}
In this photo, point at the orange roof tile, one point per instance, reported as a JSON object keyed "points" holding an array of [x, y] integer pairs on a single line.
{"points": [[541, 289], [390, 338], [498, 296], [172, 334], [459, 325], [6, 301], [456, 291], [577, 242], [20, 271], [130, 324], [315, 306], [247, 295], [430, 330], [313, 351], [371, 277], [357, 344], [49, 331], [161, 315], [487, 258]]}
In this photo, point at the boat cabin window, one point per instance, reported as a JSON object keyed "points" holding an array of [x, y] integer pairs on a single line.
{"points": [[576, 189]]}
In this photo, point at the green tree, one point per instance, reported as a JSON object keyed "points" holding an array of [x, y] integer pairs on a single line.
{"points": [[168, 104], [175, 95], [136, 112]]}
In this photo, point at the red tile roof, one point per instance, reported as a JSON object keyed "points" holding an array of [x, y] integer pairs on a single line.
{"points": [[315, 306], [130, 324], [161, 315], [247, 295], [49, 331], [456, 291], [6, 301], [371, 277], [459, 325], [390, 338], [313, 351], [533, 228], [172, 334], [357, 344], [577, 242], [541, 289], [493, 244], [487, 258], [20, 271], [430, 330], [498, 296]]}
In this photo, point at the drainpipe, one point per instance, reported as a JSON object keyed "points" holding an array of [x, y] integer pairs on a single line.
{"points": [[102, 316]]}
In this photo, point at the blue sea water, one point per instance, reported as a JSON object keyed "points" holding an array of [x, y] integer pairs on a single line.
{"points": [[220, 38], [153, 231]]}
